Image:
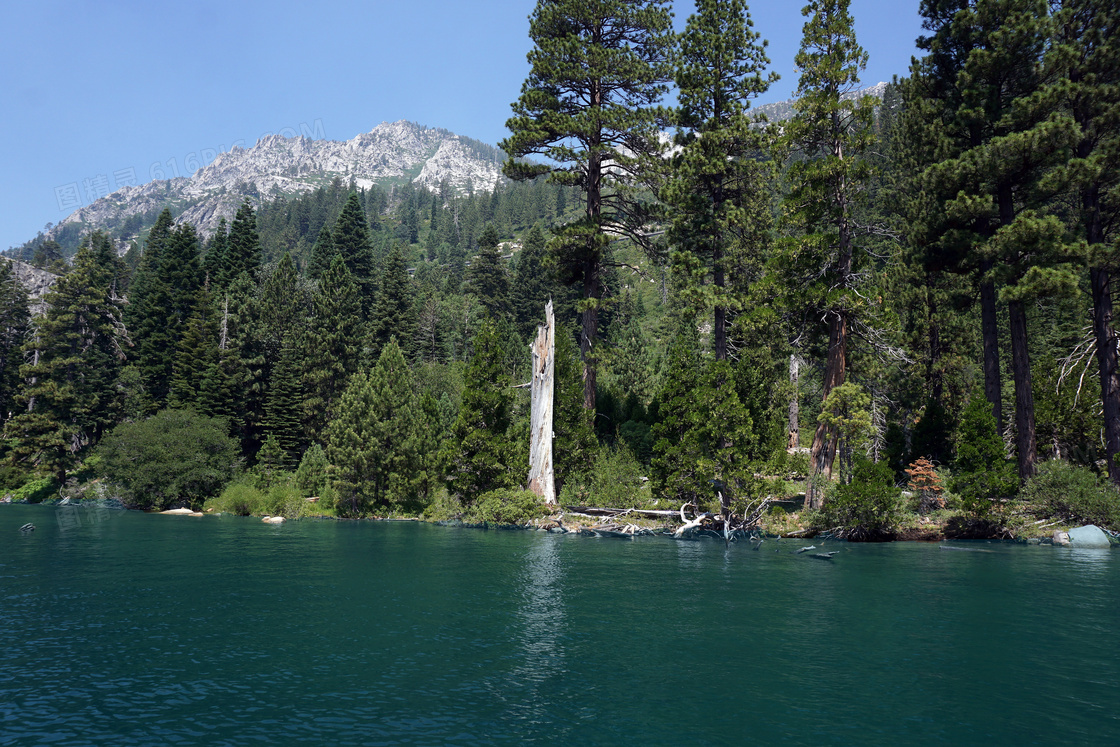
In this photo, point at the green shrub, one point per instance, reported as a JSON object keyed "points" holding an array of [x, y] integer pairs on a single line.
{"points": [[241, 498], [173, 457], [443, 507], [1074, 493], [507, 506], [311, 477], [12, 477], [328, 499], [615, 480], [285, 499], [981, 472], [797, 465], [36, 491], [867, 509]]}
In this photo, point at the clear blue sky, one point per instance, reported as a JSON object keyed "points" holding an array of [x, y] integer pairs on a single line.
{"points": [[94, 94]]}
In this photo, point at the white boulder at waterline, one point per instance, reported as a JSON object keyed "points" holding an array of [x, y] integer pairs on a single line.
{"points": [[1088, 536]]}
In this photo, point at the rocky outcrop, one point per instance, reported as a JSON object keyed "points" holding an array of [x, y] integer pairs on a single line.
{"points": [[36, 281], [391, 153]]}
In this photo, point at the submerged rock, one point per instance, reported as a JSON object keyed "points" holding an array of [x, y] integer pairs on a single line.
{"points": [[1088, 536]]}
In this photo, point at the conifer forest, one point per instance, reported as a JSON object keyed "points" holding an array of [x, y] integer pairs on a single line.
{"points": [[878, 306]]}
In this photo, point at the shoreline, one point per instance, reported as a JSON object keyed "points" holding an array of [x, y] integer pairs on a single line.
{"points": [[932, 533]]}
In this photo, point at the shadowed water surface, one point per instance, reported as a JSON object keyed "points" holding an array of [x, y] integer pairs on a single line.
{"points": [[127, 628]]}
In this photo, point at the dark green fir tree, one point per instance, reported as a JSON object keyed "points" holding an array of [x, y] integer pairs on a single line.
{"points": [[70, 397], [243, 250], [352, 240], [332, 346], [487, 278], [15, 325], [478, 454], [391, 315]]}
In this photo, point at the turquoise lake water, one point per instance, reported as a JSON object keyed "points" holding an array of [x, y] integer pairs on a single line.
{"points": [[122, 628]]}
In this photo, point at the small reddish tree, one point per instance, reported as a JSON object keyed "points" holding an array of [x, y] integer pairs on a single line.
{"points": [[925, 482]]}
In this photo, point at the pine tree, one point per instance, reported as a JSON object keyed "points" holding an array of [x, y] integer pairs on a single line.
{"points": [[487, 278], [351, 238], [322, 253], [105, 254], [15, 325], [161, 301], [332, 346], [196, 352], [311, 477], [1085, 60], [280, 308], [233, 387], [283, 409], [477, 453], [70, 396], [832, 134], [391, 315], [351, 470], [633, 367], [272, 460], [532, 284], [598, 68], [369, 441], [225, 375], [717, 176], [214, 267], [426, 468], [456, 269], [980, 472], [704, 432], [46, 254], [395, 415], [243, 251], [573, 433], [998, 185]]}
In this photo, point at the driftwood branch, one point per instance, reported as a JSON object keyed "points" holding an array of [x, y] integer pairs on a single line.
{"points": [[595, 511]]}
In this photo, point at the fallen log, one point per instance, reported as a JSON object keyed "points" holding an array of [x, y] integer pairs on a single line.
{"points": [[597, 511]]}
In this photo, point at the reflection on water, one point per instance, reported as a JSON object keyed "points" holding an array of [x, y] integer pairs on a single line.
{"points": [[1091, 556], [538, 631]]}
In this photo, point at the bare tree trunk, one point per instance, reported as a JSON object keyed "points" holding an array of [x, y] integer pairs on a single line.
{"points": [[1024, 397], [591, 269], [719, 329], [794, 406], [822, 454], [541, 480], [589, 332], [934, 376], [989, 328], [1107, 362]]}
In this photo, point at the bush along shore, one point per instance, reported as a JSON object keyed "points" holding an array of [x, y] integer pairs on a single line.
{"points": [[868, 507]]}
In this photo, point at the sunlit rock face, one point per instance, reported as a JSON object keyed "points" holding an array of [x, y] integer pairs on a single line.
{"points": [[391, 153]]}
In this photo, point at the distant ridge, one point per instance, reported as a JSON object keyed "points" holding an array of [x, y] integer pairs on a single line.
{"points": [[392, 153], [780, 111]]}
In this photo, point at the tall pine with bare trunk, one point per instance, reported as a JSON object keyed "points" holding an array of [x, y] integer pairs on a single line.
{"points": [[829, 135], [598, 68]]}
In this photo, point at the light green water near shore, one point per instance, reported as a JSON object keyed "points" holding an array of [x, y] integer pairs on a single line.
{"points": [[124, 628]]}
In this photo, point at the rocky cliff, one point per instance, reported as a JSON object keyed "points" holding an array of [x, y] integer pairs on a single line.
{"points": [[391, 153], [36, 281]]}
